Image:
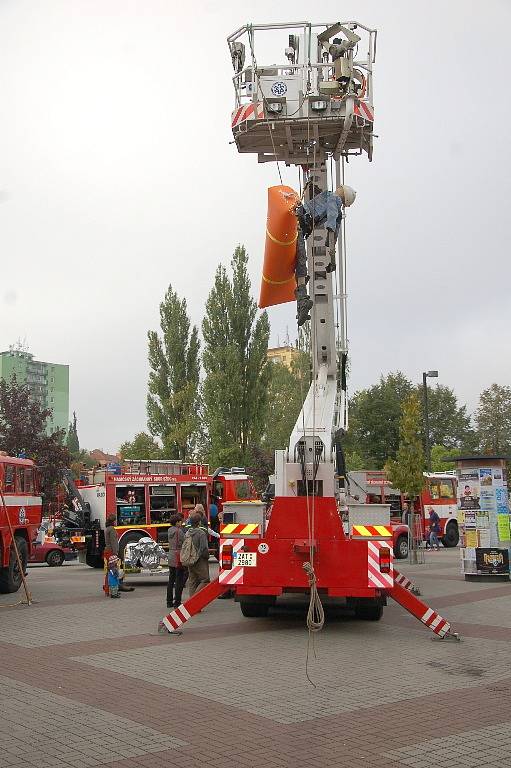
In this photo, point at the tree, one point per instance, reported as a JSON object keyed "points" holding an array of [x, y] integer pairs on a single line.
{"points": [[143, 446], [235, 389], [374, 416], [449, 423], [406, 470], [287, 389], [23, 432], [438, 454], [173, 399], [72, 442], [81, 462], [493, 420], [354, 461], [260, 465]]}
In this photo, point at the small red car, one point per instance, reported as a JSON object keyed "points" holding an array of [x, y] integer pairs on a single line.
{"points": [[52, 553]]}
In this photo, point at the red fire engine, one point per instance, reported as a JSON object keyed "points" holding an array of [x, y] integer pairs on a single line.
{"points": [[142, 495], [439, 494], [20, 518], [309, 111]]}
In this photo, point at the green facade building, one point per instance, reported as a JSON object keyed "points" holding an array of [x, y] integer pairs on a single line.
{"points": [[48, 383]]}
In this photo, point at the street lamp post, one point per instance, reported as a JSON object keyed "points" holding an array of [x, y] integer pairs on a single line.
{"points": [[425, 376]]}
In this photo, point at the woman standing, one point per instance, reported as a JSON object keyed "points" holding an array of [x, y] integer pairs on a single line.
{"points": [[177, 573]]}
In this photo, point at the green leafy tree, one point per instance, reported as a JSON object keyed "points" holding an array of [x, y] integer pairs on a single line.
{"points": [[374, 416], [286, 392], [235, 389], [23, 432], [354, 461], [72, 442], [82, 462], [493, 420], [173, 399], [438, 454], [449, 423], [406, 470], [143, 446], [85, 459]]}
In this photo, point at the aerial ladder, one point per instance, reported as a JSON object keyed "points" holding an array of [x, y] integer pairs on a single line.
{"points": [[313, 110]]}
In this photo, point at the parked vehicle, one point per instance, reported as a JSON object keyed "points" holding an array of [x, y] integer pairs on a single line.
{"points": [[439, 493], [20, 518], [142, 495], [51, 553]]}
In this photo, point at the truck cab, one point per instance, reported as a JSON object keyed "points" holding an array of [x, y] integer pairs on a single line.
{"points": [[20, 518]]}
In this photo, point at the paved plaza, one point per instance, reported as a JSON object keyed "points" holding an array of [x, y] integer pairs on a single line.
{"points": [[87, 681]]}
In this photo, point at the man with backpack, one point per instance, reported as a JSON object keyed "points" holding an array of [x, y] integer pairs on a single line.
{"points": [[195, 554]]}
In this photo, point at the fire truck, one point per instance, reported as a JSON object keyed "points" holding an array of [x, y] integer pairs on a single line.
{"points": [[439, 493], [303, 96], [20, 518], [142, 495]]}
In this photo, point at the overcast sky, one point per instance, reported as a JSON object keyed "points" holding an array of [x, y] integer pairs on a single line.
{"points": [[117, 178]]}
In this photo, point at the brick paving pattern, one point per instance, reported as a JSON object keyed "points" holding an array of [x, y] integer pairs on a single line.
{"points": [[87, 681]]}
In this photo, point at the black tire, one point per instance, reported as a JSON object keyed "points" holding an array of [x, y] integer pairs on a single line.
{"points": [[452, 535], [368, 610], [94, 561], [254, 610], [401, 550], [11, 577], [55, 558]]}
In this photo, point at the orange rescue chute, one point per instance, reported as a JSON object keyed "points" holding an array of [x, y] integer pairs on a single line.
{"points": [[278, 283]]}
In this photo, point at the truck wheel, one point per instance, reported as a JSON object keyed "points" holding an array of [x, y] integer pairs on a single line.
{"points": [[401, 550], [55, 558], [254, 610], [368, 610], [11, 577], [452, 536], [94, 561]]}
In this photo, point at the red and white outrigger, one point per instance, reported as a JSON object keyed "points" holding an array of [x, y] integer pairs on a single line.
{"points": [[311, 111]]}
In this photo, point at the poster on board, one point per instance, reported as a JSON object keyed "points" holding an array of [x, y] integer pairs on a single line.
{"points": [[492, 561], [503, 527], [468, 489], [501, 500], [485, 477]]}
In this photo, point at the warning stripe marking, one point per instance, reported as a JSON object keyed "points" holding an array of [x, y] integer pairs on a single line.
{"points": [[429, 613], [370, 531], [403, 581], [177, 617], [247, 111], [231, 575], [244, 529], [375, 577], [435, 622], [364, 110]]}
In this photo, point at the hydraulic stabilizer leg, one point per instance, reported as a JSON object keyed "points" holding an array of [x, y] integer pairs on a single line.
{"points": [[190, 607], [422, 612], [406, 583]]}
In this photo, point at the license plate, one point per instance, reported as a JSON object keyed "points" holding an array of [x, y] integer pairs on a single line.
{"points": [[78, 539], [245, 559]]}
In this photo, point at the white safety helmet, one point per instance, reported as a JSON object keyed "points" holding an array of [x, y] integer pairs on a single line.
{"points": [[347, 194]]}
